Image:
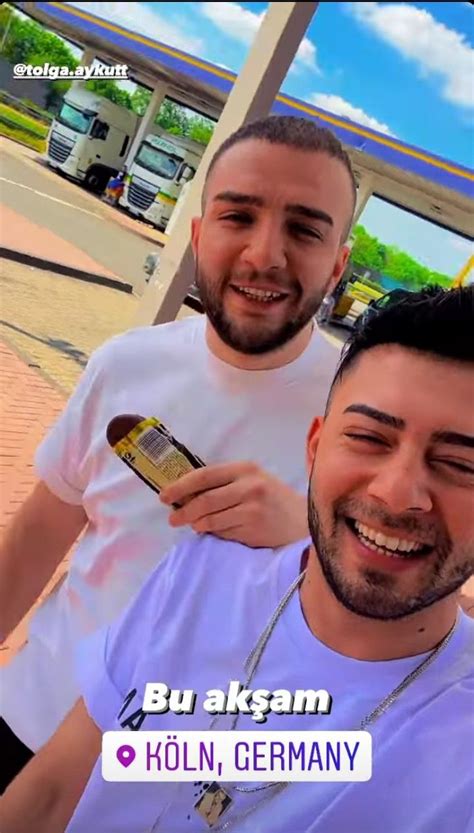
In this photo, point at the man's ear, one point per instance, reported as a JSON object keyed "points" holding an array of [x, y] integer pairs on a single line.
{"points": [[339, 266], [312, 441], [195, 234]]}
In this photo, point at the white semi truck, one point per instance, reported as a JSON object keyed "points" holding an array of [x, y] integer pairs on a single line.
{"points": [[90, 137], [155, 178], [89, 141]]}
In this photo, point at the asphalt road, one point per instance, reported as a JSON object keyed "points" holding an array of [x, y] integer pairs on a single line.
{"points": [[75, 215], [47, 199]]}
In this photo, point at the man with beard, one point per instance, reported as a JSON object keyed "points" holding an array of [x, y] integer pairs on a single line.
{"points": [[238, 387], [367, 609]]}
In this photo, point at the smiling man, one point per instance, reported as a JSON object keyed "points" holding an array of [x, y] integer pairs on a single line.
{"points": [[257, 317], [238, 386], [368, 609]]}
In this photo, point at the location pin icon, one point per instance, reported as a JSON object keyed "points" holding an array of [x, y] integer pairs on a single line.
{"points": [[125, 755]]}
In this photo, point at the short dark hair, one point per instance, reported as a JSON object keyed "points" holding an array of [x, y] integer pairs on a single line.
{"points": [[292, 131], [434, 320]]}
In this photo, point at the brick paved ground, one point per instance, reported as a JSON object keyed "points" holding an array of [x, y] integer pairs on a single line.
{"points": [[58, 321], [28, 405]]}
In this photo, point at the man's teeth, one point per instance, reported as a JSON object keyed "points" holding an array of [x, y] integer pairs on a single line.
{"points": [[260, 294], [379, 540]]}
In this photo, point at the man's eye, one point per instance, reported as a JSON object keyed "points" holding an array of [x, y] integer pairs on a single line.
{"points": [[306, 231], [237, 217], [365, 438], [457, 465]]}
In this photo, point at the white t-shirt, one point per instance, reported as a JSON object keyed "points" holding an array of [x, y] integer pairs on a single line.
{"points": [[221, 413], [192, 626]]}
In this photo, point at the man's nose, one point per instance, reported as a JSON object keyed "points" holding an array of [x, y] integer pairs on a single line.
{"points": [[401, 485], [265, 250]]}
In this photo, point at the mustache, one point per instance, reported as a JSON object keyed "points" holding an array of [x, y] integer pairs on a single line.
{"points": [[424, 529]]}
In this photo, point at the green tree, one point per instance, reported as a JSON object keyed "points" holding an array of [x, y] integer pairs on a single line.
{"points": [[200, 130], [404, 269], [28, 42], [140, 100], [57, 91], [172, 118], [391, 261], [367, 251], [49, 47], [109, 89]]}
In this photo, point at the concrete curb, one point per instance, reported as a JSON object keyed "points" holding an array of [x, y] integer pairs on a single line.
{"points": [[62, 269]]}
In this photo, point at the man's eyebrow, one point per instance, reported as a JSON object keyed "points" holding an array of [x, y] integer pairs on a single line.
{"points": [[453, 438], [373, 413], [449, 437], [237, 198], [310, 213]]}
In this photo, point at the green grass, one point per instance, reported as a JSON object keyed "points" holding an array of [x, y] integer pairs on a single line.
{"points": [[43, 115], [21, 128], [24, 138], [19, 121]]}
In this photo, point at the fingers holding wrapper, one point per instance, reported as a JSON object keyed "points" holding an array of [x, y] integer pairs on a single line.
{"points": [[150, 450]]}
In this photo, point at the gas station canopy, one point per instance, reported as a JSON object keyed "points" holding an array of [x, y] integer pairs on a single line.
{"points": [[425, 184]]}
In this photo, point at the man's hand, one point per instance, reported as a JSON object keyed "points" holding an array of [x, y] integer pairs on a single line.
{"points": [[238, 502]]}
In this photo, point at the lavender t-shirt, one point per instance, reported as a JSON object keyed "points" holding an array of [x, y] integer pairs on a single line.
{"points": [[192, 626]]}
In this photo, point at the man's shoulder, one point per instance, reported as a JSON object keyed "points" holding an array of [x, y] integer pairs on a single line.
{"points": [[449, 690], [463, 667], [327, 352], [213, 556], [213, 564], [140, 345]]}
